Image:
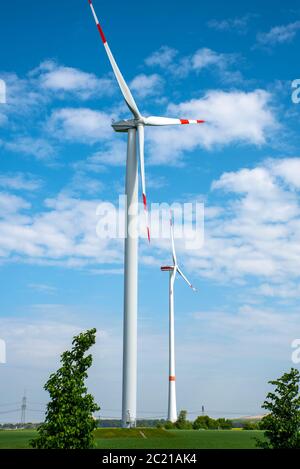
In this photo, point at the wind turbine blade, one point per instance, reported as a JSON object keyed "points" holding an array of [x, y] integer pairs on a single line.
{"points": [[156, 121], [172, 239], [122, 83], [141, 132], [185, 279]]}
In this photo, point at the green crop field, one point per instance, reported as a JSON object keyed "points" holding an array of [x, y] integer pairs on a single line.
{"points": [[150, 438]]}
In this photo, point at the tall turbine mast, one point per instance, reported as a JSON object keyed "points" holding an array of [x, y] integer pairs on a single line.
{"points": [[133, 126], [173, 269]]}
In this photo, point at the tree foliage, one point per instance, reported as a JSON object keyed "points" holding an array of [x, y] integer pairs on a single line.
{"points": [[69, 422], [252, 425], [282, 424], [207, 423], [182, 423]]}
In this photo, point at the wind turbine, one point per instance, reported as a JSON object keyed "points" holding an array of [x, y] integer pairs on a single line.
{"points": [[172, 408], [132, 127]]}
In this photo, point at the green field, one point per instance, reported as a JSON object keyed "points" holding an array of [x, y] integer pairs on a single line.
{"points": [[148, 438]]}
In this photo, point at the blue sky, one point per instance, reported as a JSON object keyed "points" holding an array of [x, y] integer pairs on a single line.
{"points": [[232, 65]]}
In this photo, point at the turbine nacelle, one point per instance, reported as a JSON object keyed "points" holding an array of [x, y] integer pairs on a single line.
{"points": [[175, 268]]}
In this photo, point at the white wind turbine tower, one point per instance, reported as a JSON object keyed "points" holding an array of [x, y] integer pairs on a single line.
{"points": [[132, 126], [172, 408]]}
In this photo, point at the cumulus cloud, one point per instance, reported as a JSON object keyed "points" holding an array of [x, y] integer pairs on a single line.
{"points": [[11, 204], [80, 125], [58, 78], [231, 117], [253, 234], [258, 233], [28, 101], [40, 148], [19, 181], [113, 154], [288, 169], [168, 60], [207, 58], [252, 324], [163, 57], [279, 34], [239, 24], [63, 233], [146, 85], [81, 183]]}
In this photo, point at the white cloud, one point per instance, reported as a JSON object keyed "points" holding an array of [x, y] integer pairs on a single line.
{"points": [[204, 58], [287, 169], [28, 98], [58, 78], [42, 288], [283, 291], [231, 117], [2, 92], [254, 233], [162, 58], [81, 183], [258, 232], [239, 24], [22, 96], [80, 125], [113, 154], [63, 233], [167, 59], [207, 58], [146, 85], [40, 148], [279, 34], [252, 330], [19, 181], [10, 204]]}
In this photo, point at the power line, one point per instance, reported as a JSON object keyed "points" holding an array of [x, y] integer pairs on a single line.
{"points": [[9, 404], [9, 411]]}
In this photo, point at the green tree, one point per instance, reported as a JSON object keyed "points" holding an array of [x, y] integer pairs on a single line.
{"points": [[224, 424], [282, 424], [169, 425], [251, 425], [182, 423], [202, 422], [69, 422]]}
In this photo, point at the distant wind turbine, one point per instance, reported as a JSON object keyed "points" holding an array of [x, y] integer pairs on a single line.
{"points": [[172, 407], [131, 126]]}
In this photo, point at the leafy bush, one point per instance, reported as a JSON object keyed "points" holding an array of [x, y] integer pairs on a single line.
{"points": [[69, 422], [282, 424]]}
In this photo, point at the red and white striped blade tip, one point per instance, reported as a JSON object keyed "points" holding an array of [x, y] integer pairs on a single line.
{"points": [[191, 121]]}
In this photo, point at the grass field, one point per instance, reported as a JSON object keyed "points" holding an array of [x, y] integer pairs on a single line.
{"points": [[149, 438]]}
